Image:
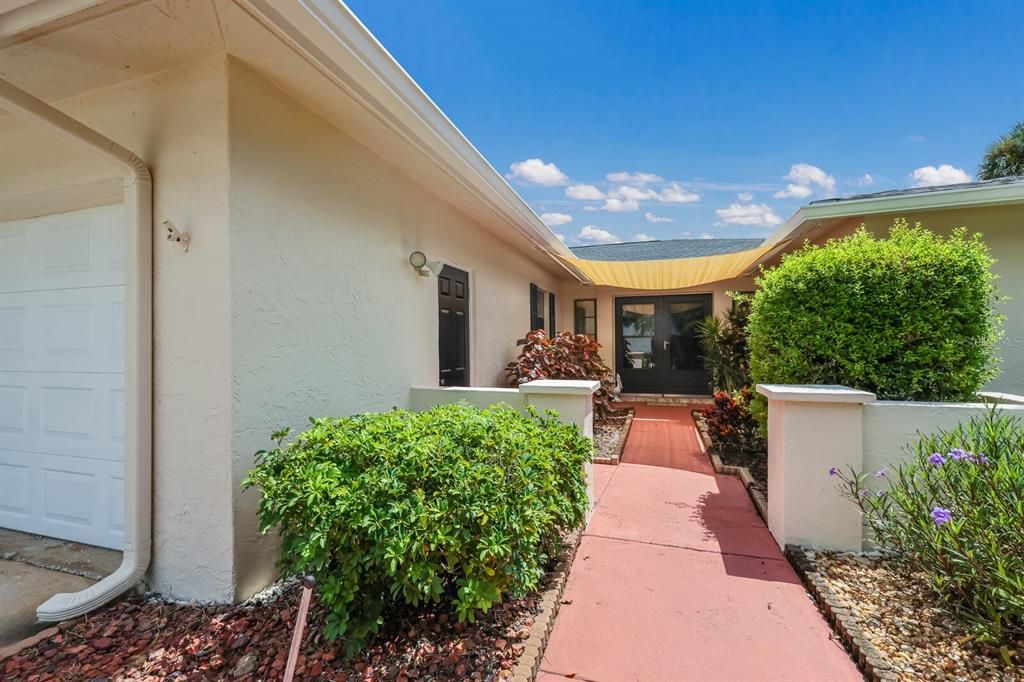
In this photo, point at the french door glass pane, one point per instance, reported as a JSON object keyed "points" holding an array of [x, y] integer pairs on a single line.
{"points": [[684, 342], [638, 335]]}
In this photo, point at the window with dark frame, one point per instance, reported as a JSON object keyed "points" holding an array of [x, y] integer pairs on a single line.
{"points": [[585, 317], [542, 310]]}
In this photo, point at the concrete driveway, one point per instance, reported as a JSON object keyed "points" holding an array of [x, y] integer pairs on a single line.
{"points": [[34, 568]]}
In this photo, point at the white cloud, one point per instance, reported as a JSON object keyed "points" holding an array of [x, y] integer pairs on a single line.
{"points": [[551, 219], [706, 235], [641, 237], [748, 214], [794, 192], [916, 138], [592, 234], [651, 218], [561, 237], [930, 176], [745, 196], [634, 193], [866, 180], [536, 172], [674, 193], [803, 176], [633, 178], [617, 206], [584, 192]]}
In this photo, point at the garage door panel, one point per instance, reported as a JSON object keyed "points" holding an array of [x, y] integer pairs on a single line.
{"points": [[74, 330], [62, 400], [63, 413]]}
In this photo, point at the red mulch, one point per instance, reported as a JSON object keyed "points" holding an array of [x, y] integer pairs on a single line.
{"points": [[147, 639]]}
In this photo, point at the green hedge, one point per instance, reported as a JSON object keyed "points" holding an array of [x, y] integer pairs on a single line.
{"points": [[456, 505], [910, 317]]}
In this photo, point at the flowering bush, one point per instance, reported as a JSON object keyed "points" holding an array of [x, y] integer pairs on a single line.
{"points": [[455, 505], [955, 512], [564, 356], [731, 426]]}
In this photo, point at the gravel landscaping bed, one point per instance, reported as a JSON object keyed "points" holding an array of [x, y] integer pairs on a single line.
{"points": [[902, 621], [144, 638], [610, 434]]}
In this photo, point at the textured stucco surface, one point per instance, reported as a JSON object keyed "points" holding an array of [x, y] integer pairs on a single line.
{"points": [[327, 316], [175, 120]]}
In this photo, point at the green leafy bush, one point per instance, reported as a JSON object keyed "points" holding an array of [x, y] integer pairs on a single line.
{"points": [[910, 317], [955, 511], [724, 344], [456, 505]]}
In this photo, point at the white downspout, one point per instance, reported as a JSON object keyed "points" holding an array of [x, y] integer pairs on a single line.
{"points": [[138, 462]]}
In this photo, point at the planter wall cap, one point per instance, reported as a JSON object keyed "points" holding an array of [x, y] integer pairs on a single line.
{"points": [[813, 393], [1002, 398], [564, 386]]}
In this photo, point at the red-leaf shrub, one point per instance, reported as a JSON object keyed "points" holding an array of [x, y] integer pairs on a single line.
{"points": [[730, 424], [566, 356]]}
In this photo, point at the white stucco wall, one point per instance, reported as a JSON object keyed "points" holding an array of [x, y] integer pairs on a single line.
{"points": [[177, 122], [327, 316]]}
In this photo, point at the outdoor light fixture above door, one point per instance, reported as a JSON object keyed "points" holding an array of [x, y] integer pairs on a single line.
{"points": [[423, 267]]}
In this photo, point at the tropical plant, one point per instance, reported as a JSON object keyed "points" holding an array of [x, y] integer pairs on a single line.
{"points": [[955, 512], [1005, 157], [731, 425], [565, 356], [910, 317], [455, 505], [724, 347]]}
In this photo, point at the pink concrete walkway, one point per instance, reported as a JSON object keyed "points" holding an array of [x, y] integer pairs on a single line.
{"points": [[677, 578]]}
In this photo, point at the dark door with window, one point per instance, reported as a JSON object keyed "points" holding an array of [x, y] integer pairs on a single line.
{"points": [[453, 326], [657, 347]]}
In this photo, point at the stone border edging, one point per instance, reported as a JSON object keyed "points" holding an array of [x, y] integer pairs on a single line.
{"points": [[528, 666], [620, 445], [867, 657], [743, 473]]}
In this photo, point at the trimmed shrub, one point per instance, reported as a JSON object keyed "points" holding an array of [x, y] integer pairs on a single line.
{"points": [[731, 425], [955, 511], [455, 505], [910, 317], [565, 356]]}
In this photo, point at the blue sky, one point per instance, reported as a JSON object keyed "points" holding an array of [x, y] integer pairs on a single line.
{"points": [[713, 118]]}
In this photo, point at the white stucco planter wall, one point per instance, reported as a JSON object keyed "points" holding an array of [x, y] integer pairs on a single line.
{"points": [[813, 428]]}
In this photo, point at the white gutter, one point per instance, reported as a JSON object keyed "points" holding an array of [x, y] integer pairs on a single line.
{"points": [[138, 461]]}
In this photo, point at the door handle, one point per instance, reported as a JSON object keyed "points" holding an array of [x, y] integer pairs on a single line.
{"points": [[665, 344]]}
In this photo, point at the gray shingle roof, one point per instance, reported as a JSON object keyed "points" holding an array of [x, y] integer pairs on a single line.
{"points": [[922, 190], [664, 249]]}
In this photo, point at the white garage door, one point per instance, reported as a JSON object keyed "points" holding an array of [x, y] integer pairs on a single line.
{"points": [[62, 375]]}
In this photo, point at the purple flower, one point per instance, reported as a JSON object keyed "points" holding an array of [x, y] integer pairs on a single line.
{"points": [[880, 493], [881, 473], [936, 459], [958, 454], [863, 493], [833, 472], [982, 459], [941, 516]]}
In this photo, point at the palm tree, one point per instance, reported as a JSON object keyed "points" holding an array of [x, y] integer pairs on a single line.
{"points": [[1005, 157]]}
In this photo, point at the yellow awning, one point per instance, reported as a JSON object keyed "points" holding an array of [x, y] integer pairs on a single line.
{"points": [[676, 273]]}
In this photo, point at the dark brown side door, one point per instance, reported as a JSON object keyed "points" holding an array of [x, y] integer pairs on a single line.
{"points": [[453, 326]]}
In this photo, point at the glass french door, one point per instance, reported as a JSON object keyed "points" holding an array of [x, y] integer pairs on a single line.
{"points": [[657, 347]]}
